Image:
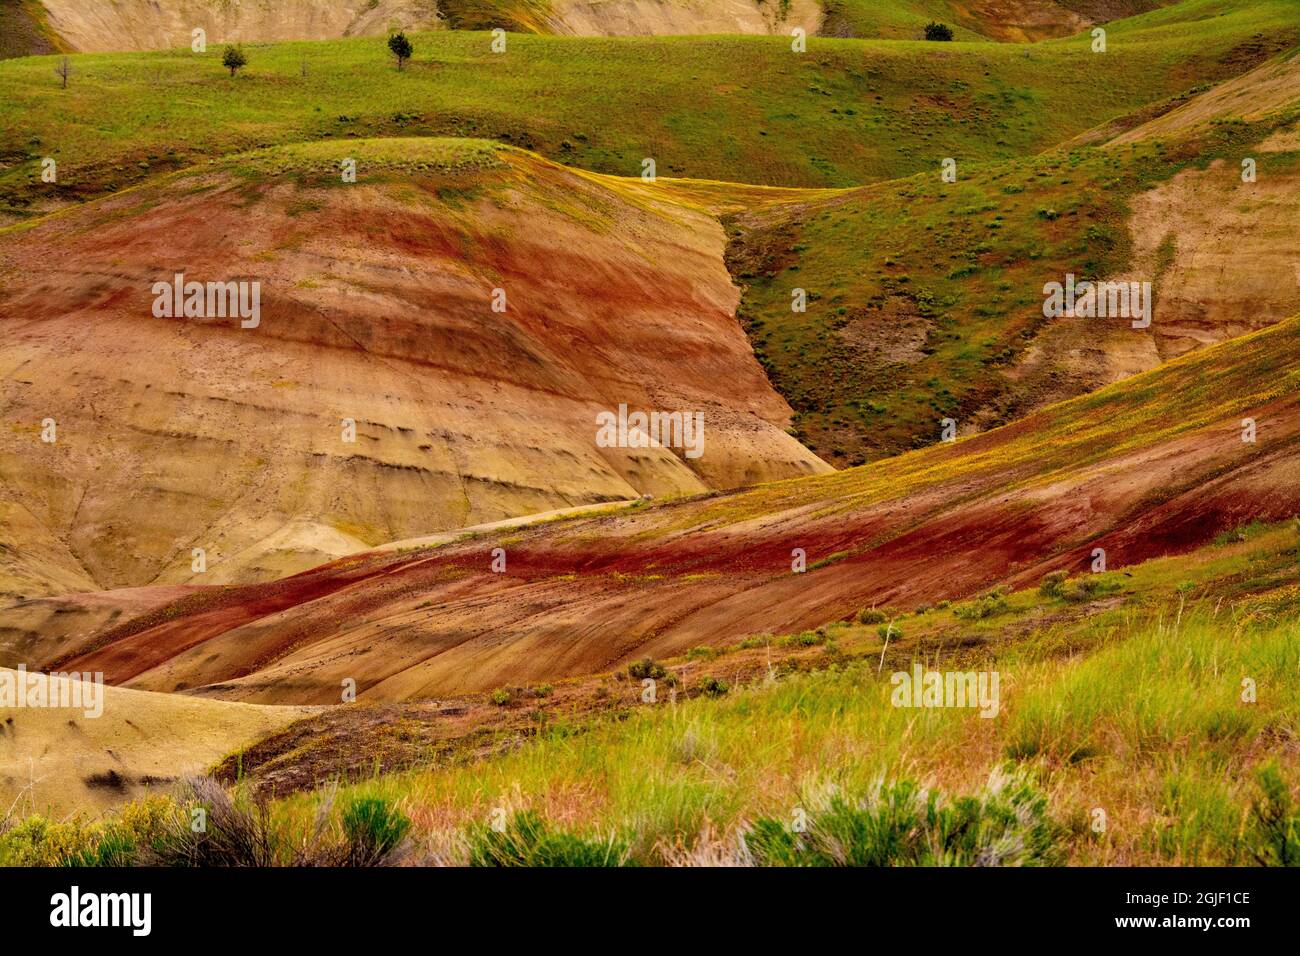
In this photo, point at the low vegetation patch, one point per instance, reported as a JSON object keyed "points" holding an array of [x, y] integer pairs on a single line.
{"points": [[989, 605], [528, 840], [647, 667], [905, 824]]}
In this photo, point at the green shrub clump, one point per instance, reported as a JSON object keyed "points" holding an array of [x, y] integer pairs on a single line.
{"points": [[904, 824], [527, 840], [1050, 585], [1086, 588], [712, 686], [989, 605], [373, 830], [646, 667], [805, 639]]}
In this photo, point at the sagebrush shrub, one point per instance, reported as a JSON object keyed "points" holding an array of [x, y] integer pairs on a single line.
{"points": [[990, 605], [373, 831], [225, 831], [1050, 585], [527, 840], [905, 824], [712, 686], [646, 667]]}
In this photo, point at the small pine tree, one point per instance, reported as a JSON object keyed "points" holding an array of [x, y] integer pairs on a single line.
{"points": [[938, 31], [234, 58], [401, 48]]}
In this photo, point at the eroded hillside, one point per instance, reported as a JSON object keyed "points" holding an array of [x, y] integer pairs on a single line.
{"points": [[100, 25], [1154, 465], [467, 311], [925, 296], [116, 744], [95, 25]]}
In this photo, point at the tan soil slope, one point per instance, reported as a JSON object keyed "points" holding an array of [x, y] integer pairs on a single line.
{"points": [[1018, 21], [59, 760], [1220, 253], [1223, 251], [681, 17], [37, 630], [376, 302], [1151, 466], [98, 25], [1251, 96]]}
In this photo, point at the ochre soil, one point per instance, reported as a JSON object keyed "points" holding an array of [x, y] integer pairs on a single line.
{"points": [[588, 594], [376, 306]]}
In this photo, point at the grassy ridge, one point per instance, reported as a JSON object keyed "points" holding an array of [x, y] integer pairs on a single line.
{"points": [[962, 264], [734, 108], [894, 19], [1183, 396], [906, 19]]}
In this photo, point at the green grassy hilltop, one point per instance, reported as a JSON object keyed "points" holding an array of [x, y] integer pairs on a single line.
{"points": [[744, 109]]}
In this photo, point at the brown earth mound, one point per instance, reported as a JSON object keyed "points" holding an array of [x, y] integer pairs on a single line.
{"points": [[376, 308], [57, 760], [1151, 466], [93, 26]]}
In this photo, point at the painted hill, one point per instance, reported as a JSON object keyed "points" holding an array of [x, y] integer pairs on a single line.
{"points": [[97, 25], [378, 307], [175, 434], [1153, 465], [100, 25]]}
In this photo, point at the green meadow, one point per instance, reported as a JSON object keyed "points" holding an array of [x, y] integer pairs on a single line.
{"points": [[964, 261], [743, 109]]}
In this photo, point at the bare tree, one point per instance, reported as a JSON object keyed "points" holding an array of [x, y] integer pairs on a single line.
{"points": [[64, 70]]}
